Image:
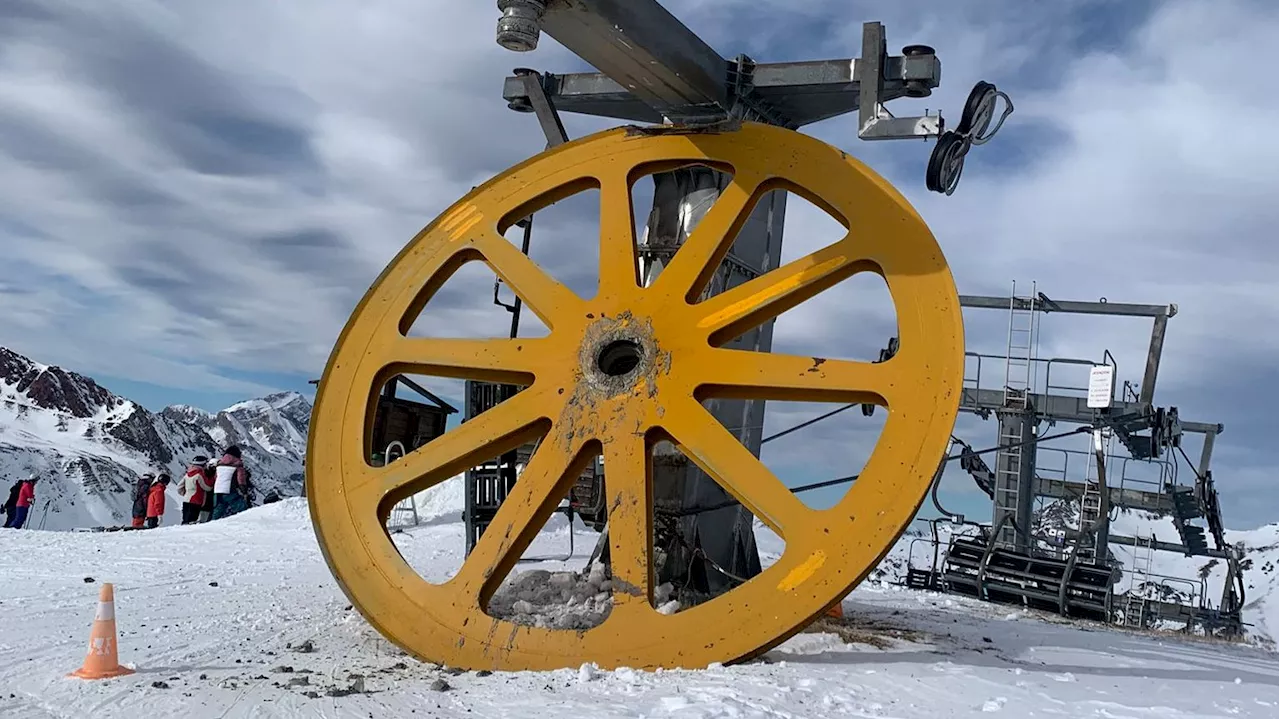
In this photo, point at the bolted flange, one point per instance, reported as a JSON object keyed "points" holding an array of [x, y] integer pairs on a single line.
{"points": [[521, 24]]}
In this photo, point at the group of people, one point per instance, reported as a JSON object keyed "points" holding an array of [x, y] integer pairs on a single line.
{"points": [[210, 489], [21, 496]]}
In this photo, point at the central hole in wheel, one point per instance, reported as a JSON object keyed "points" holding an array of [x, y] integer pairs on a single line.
{"points": [[619, 357]]}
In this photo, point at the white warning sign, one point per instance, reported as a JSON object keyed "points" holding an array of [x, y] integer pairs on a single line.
{"points": [[1102, 384]]}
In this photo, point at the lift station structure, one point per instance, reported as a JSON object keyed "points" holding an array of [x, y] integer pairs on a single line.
{"points": [[1071, 571]]}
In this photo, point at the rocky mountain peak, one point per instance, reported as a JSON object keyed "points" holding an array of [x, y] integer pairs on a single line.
{"points": [[54, 388]]}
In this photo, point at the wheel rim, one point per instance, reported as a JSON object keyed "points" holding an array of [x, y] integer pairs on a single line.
{"points": [[580, 407]]}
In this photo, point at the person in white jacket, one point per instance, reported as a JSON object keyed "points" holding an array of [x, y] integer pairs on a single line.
{"points": [[230, 485], [193, 487]]}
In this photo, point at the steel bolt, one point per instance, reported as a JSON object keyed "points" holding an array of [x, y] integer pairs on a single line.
{"points": [[519, 26]]}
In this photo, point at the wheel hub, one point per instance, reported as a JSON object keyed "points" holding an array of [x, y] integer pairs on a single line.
{"points": [[616, 352]]}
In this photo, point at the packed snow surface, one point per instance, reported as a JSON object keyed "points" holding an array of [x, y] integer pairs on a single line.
{"points": [[241, 618]]}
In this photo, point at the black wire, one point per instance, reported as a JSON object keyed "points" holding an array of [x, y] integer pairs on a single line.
{"points": [[1194, 471], [806, 423], [853, 477]]}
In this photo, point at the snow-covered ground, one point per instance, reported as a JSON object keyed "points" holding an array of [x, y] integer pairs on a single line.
{"points": [[212, 617]]}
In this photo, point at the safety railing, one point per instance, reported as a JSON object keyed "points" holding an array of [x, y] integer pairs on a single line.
{"points": [[1152, 580], [932, 554], [1075, 390], [974, 377], [1075, 462], [1166, 480]]}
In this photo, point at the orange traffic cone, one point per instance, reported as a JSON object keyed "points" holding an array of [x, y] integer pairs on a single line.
{"points": [[837, 611], [101, 661]]}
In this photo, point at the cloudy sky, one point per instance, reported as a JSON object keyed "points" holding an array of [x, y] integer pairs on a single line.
{"points": [[194, 195]]}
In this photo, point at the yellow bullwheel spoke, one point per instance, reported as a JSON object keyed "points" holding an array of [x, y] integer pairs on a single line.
{"points": [[542, 486]]}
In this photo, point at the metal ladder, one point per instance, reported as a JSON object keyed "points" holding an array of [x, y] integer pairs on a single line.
{"points": [[405, 506], [1018, 379], [1135, 605], [1090, 508], [1021, 347], [1091, 501]]}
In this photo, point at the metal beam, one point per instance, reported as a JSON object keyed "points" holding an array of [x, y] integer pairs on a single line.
{"points": [[543, 109], [1044, 304], [1061, 408], [1159, 546], [1159, 313], [1160, 502], [646, 50], [805, 92], [1148, 391], [1206, 450]]}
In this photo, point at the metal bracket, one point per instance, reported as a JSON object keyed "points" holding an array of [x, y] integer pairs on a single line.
{"points": [[922, 71], [747, 104], [535, 100], [886, 354]]}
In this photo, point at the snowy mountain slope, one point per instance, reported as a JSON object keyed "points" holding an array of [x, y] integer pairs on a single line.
{"points": [[218, 633], [274, 443], [88, 443]]}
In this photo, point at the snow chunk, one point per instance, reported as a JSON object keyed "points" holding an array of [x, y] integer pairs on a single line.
{"points": [[555, 600]]}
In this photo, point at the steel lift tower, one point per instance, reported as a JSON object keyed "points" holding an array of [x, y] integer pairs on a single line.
{"points": [[1012, 563], [653, 69]]}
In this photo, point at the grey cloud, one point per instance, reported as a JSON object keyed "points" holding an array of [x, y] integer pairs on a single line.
{"points": [[307, 251], [282, 159], [214, 123]]}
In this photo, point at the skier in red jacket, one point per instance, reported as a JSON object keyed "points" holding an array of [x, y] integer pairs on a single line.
{"points": [[155, 500], [26, 497]]}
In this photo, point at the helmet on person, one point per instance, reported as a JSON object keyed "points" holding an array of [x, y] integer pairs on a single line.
{"points": [[200, 459], [234, 451]]}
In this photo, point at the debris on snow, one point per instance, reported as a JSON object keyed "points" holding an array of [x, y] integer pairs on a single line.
{"points": [[555, 600]]}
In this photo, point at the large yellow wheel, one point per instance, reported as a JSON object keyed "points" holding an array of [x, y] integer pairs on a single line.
{"points": [[621, 371]]}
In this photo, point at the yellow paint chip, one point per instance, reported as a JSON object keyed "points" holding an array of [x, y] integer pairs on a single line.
{"points": [[801, 574]]}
